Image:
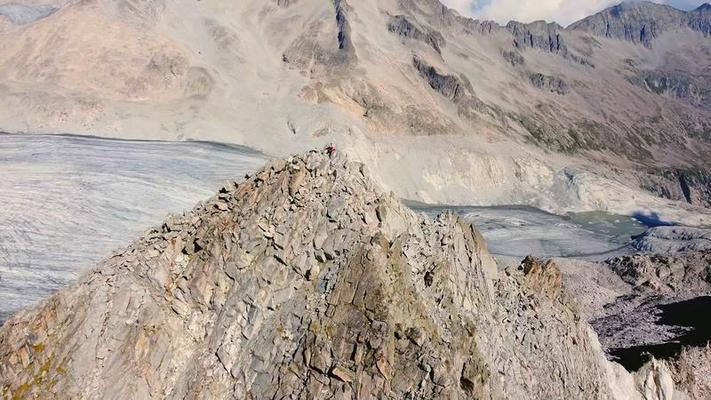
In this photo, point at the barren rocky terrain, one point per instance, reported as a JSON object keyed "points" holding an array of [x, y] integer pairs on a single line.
{"points": [[495, 211], [444, 109], [68, 201], [235, 299], [619, 297]]}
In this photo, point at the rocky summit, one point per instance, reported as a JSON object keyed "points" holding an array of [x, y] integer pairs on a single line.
{"points": [[305, 281]]}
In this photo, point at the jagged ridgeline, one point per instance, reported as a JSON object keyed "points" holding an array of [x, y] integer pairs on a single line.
{"points": [[305, 281]]}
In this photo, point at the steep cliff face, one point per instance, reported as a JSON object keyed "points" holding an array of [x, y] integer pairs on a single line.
{"points": [[548, 37], [700, 19], [404, 27], [305, 281]]}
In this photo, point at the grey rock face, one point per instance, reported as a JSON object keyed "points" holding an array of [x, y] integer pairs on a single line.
{"points": [[641, 22], [690, 185], [700, 19], [456, 89], [514, 58], [660, 273], [436, 14], [285, 3], [305, 282], [550, 83], [449, 86], [689, 88], [312, 47], [345, 42], [538, 35], [548, 37], [404, 27]]}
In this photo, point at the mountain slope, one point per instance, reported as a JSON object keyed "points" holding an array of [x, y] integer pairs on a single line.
{"points": [[564, 119], [305, 281]]}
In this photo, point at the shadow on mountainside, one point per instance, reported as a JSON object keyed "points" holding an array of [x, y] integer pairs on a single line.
{"points": [[651, 220]]}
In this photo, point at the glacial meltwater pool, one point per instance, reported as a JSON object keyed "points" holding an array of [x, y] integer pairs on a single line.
{"points": [[518, 231]]}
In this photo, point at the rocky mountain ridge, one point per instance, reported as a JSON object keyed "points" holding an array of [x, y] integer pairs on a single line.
{"points": [[305, 280]]}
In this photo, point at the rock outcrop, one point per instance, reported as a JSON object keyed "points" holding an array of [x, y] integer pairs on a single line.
{"points": [[452, 87], [303, 281], [403, 26], [456, 89], [21, 14], [549, 83], [700, 19], [544, 36], [691, 371], [666, 274], [538, 35], [345, 42], [690, 88], [514, 58], [327, 44], [692, 186]]}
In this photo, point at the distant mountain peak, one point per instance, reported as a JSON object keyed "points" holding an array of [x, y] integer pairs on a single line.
{"points": [[640, 4], [642, 21]]}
